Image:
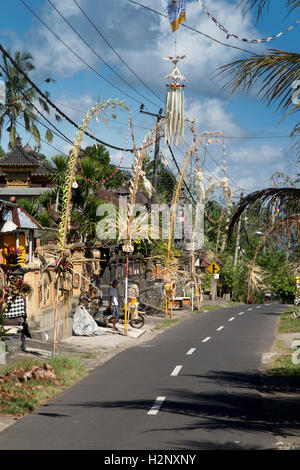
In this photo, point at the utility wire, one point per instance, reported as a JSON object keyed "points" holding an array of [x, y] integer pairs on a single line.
{"points": [[177, 166], [193, 29], [62, 135], [97, 54], [213, 158], [46, 98], [120, 57], [75, 53], [45, 141]]}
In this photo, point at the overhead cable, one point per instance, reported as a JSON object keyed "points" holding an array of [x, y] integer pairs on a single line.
{"points": [[98, 55], [118, 55], [46, 98]]}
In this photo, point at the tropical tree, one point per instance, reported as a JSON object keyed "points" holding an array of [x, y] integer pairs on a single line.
{"points": [[60, 164], [166, 181], [271, 74], [100, 156], [20, 100], [34, 207]]}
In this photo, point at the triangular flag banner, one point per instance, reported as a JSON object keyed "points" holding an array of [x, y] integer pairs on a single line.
{"points": [[176, 13]]}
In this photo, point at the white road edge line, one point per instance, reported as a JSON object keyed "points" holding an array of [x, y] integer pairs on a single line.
{"points": [[232, 318], [176, 371], [220, 328], [157, 405], [191, 351], [206, 339]]}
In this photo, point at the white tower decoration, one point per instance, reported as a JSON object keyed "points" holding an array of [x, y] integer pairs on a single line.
{"points": [[174, 122]]}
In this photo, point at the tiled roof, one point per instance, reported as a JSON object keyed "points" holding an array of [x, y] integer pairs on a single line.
{"points": [[25, 156]]}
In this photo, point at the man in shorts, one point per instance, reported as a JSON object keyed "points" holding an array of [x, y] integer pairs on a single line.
{"points": [[114, 303]]}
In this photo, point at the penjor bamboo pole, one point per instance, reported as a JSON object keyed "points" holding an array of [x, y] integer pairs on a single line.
{"points": [[54, 346], [188, 156]]}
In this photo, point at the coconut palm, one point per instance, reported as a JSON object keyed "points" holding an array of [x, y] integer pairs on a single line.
{"points": [[271, 73], [260, 5], [90, 170], [286, 201], [19, 99], [60, 163]]}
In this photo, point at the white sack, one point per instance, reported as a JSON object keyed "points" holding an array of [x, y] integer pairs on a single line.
{"points": [[84, 324]]}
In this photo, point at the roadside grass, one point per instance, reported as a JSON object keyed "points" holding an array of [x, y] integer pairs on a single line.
{"points": [[21, 397], [287, 324], [285, 364], [206, 308], [232, 303], [166, 322]]}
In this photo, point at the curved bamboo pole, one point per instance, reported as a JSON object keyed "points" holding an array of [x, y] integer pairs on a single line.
{"points": [[188, 156], [67, 191], [133, 187]]}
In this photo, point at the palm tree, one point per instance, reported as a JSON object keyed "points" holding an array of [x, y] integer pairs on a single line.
{"points": [[90, 170], [19, 99], [33, 208], [286, 201], [60, 163], [271, 73]]}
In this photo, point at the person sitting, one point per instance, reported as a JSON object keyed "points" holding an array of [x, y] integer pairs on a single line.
{"points": [[95, 302], [85, 299]]}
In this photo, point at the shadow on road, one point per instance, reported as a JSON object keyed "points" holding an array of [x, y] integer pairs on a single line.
{"points": [[234, 405]]}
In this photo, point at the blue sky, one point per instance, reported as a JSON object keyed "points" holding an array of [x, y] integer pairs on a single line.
{"points": [[255, 147]]}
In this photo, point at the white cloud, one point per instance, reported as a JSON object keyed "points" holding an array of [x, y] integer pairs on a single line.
{"points": [[140, 36], [211, 115], [252, 166]]}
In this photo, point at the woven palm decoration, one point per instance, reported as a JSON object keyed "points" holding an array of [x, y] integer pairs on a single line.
{"points": [[174, 121]]}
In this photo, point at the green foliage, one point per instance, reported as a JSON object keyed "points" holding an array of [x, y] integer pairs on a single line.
{"points": [[166, 181], [44, 218], [32, 206], [19, 99], [97, 157]]}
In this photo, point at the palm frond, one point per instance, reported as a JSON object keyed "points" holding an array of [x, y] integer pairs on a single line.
{"points": [[130, 228], [262, 5], [292, 5], [255, 278], [276, 70], [275, 197]]}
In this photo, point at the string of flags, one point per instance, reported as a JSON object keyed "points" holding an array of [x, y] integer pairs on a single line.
{"points": [[253, 41]]}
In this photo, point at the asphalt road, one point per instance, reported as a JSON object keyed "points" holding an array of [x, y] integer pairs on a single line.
{"points": [[195, 386]]}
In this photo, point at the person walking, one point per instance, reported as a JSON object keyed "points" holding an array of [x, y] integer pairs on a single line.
{"points": [[114, 303]]}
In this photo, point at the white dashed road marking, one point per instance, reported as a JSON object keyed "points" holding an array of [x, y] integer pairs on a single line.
{"points": [[249, 308], [259, 306], [157, 405], [220, 328], [241, 313], [232, 318], [191, 351], [206, 339], [176, 371]]}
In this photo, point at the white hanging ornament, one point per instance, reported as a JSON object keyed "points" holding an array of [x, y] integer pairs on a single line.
{"points": [[74, 185], [174, 121]]}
